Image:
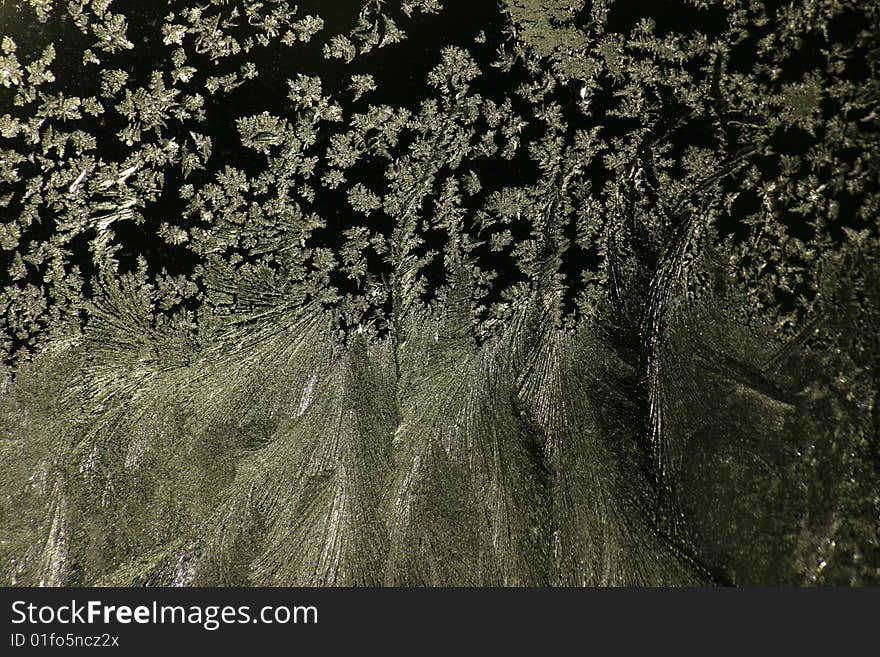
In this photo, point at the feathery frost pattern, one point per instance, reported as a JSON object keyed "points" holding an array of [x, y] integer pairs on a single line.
{"points": [[420, 293]]}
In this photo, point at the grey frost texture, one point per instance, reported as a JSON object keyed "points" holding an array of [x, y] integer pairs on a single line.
{"points": [[432, 293]]}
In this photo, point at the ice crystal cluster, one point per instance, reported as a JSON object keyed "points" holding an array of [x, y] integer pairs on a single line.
{"points": [[434, 292]]}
